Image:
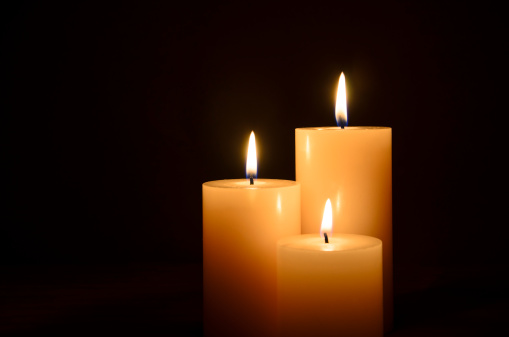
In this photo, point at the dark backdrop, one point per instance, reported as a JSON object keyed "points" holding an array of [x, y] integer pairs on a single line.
{"points": [[114, 115]]}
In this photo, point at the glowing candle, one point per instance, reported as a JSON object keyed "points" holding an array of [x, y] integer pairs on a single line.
{"points": [[353, 167], [242, 223], [330, 289]]}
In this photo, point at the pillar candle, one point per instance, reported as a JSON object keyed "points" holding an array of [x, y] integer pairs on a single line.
{"points": [[330, 289], [353, 167], [241, 226]]}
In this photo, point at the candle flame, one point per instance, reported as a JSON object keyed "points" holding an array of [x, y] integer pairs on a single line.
{"points": [[251, 165], [326, 220], [341, 115]]}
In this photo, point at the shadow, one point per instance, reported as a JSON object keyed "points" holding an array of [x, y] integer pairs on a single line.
{"points": [[468, 301]]}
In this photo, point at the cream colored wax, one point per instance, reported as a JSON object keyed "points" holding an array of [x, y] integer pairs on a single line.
{"points": [[352, 167], [241, 226], [330, 289]]}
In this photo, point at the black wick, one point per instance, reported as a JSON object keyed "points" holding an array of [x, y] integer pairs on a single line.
{"points": [[342, 123], [251, 181], [326, 237]]}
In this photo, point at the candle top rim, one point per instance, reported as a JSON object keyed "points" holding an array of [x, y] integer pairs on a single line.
{"points": [[244, 183], [347, 128], [337, 243]]}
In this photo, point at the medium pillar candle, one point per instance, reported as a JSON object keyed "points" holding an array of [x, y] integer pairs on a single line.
{"points": [[353, 167], [241, 226], [330, 289]]}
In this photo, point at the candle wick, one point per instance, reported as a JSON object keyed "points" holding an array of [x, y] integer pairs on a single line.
{"points": [[341, 123], [251, 181], [326, 237]]}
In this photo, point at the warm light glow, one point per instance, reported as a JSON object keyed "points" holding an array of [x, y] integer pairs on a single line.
{"points": [[251, 166], [341, 115], [327, 220]]}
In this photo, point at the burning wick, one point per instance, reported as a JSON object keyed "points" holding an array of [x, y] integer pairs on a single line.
{"points": [[342, 123], [326, 221], [251, 159], [341, 115]]}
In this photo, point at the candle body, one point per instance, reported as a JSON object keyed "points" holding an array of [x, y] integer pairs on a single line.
{"points": [[241, 227], [352, 167], [332, 289]]}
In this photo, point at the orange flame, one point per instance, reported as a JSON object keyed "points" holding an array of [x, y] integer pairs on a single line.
{"points": [[251, 165], [326, 220], [341, 115]]}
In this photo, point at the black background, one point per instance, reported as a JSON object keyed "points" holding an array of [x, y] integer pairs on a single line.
{"points": [[114, 115]]}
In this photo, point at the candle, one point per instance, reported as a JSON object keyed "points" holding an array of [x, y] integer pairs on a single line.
{"points": [[330, 289], [352, 166], [242, 223]]}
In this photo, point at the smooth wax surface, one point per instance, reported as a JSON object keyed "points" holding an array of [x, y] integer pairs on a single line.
{"points": [[352, 167], [241, 226], [332, 289]]}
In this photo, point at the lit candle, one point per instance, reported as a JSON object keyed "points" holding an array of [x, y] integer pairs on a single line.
{"points": [[330, 289], [352, 166], [242, 222]]}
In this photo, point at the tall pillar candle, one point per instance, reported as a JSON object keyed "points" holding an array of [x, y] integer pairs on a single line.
{"points": [[241, 226], [353, 167]]}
